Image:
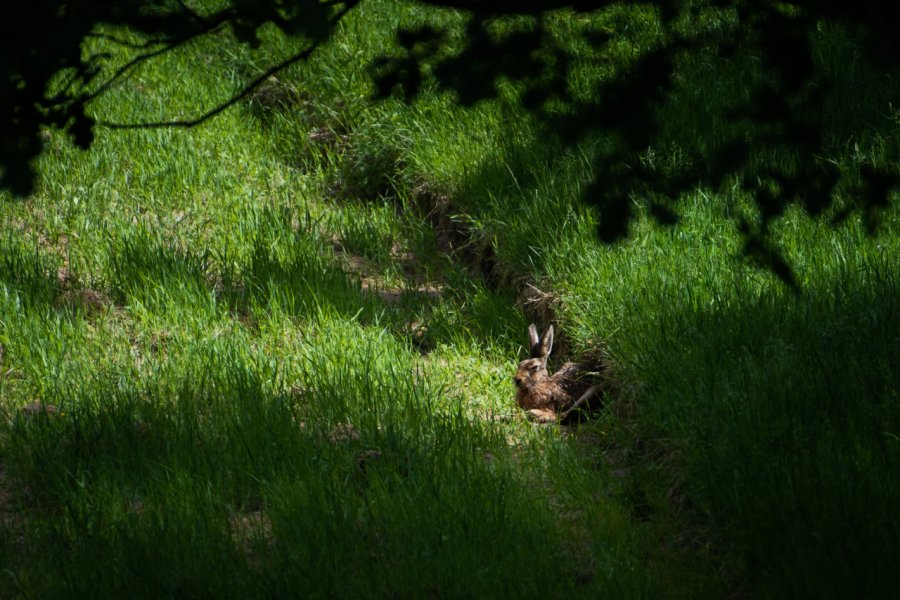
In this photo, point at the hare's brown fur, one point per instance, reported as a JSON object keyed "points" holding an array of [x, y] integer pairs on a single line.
{"points": [[544, 395]]}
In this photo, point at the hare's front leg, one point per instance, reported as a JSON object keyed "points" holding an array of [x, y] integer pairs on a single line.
{"points": [[542, 416]]}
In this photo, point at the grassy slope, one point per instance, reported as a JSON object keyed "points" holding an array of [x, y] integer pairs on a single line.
{"points": [[235, 401]]}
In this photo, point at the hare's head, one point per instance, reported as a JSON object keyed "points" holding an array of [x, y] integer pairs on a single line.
{"points": [[534, 370]]}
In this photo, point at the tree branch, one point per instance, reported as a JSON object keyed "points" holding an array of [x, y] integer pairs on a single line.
{"points": [[234, 99], [121, 71]]}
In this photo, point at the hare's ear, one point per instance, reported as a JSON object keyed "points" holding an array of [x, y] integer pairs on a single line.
{"points": [[533, 340], [545, 346]]}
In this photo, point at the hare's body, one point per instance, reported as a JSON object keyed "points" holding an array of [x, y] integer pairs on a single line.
{"points": [[543, 395], [557, 392]]}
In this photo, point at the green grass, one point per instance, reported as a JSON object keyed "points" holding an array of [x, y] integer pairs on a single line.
{"points": [[273, 377]]}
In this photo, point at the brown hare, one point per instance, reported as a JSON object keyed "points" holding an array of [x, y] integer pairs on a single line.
{"points": [[547, 396]]}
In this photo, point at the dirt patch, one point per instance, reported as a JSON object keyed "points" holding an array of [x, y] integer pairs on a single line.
{"points": [[373, 280], [38, 408], [248, 524], [273, 94], [541, 306], [252, 533], [75, 296]]}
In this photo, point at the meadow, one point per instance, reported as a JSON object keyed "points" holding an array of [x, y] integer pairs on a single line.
{"points": [[272, 355]]}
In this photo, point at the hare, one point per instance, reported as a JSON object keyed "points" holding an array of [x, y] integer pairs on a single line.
{"points": [[545, 396]]}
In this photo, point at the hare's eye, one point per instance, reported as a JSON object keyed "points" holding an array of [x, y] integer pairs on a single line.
{"points": [[533, 368]]}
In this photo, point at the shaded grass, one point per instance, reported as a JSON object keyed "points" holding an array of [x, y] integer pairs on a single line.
{"points": [[357, 480], [26, 270], [788, 414]]}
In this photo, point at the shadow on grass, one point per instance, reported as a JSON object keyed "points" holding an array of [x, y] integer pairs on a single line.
{"points": [[787, 413], [212, 484], [146, 267], [28, 271]]}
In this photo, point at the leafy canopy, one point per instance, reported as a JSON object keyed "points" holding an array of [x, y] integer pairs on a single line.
{"points": [[751, 93]]}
